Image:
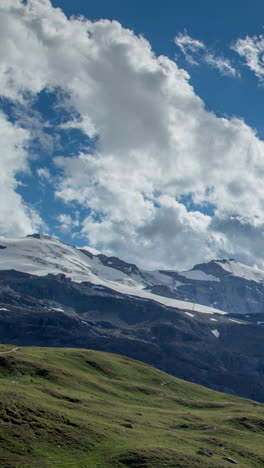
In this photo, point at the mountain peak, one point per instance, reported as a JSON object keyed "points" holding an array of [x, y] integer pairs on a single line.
{"points": [[225, 260], [36, 235]]}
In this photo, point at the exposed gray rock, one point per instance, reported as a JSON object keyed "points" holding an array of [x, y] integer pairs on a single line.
{"points": [[205, 453], [230, 460]]}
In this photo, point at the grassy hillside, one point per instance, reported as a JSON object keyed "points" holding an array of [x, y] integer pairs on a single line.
{"points": [[82, 408]]}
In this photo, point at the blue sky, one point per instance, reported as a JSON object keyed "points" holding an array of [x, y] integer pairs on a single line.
{"points": [[217, 24], [141, 137]]}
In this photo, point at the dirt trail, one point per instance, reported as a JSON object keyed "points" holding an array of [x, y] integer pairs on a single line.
{"points": [[13, 350]]}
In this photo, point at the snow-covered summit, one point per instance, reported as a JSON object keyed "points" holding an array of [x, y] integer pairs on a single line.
{"points": [[241, 270], [217, 269], [214, 287], [42, 255]]}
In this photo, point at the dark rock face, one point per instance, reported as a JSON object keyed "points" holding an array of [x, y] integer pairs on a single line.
{"points": [[115, 262], [87, 253], [55, 311], [35, 235]]}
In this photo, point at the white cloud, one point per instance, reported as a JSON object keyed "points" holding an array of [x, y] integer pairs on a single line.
{"points": [[67, 222], [222, 64], [84, 124], [196, 52], [44, 174], [156, 141], [191, 48], [91, 249], [252, 50], [16, 217]]}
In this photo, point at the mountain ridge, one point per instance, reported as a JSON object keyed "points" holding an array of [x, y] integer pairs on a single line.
{"points": [[54, 256], [158, 317]]}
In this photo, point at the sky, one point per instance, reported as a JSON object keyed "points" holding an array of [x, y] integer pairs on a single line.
{"points": [[135, 128]]}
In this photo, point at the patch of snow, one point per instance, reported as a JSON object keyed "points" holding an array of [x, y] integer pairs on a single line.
{"points": [[98, 287], [178, 283], [176, 303], [215, 333], [189, 313], [198, 275], [57, 309], [159, 278], [259, 323], [242, 271], [213, 320], [236, 321], [3, 308]]}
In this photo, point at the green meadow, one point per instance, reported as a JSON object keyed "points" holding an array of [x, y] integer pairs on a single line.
{"points": [[83, 408]]}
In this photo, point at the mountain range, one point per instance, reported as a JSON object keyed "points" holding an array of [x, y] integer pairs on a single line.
{"points": [[204, 325]]}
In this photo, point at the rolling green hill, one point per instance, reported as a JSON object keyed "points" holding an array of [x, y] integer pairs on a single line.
{"points": [[82, 408]]}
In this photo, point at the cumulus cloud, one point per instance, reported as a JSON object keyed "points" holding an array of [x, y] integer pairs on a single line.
{"points": [[67, 222], [196, 52], [155, 142], [252, 50], [16, 217]]}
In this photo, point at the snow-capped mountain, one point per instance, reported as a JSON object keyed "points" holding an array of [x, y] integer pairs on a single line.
{"points": [[220, 286], [204, 325], [42, 255]]}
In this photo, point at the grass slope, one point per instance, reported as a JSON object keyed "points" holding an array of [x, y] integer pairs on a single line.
{"points": [[82, 408]]}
